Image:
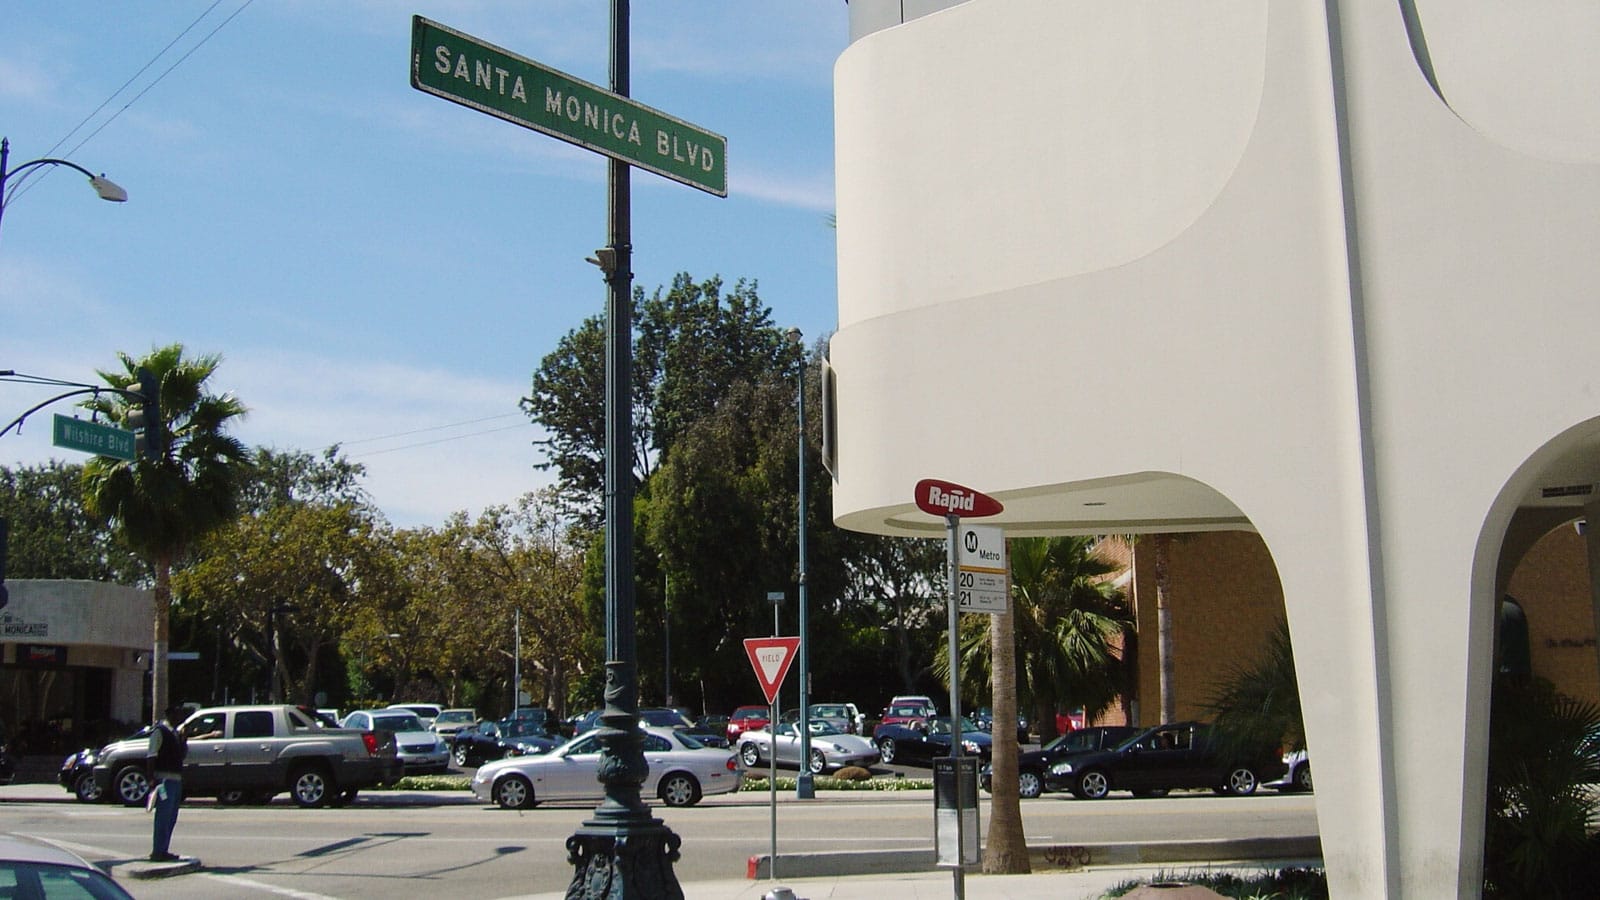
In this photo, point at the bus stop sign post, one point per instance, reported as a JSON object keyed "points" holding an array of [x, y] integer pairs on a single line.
{"points": [[952, 501]]}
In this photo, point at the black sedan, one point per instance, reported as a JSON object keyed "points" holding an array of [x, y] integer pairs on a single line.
{"points": [[1168, 757], [476, 744], [920, 742], [1033, 764]]}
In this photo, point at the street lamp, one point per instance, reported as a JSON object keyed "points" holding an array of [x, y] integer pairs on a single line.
{"points": [[105, 187], [804, 787]]}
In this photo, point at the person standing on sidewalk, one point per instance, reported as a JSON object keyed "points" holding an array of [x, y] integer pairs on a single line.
{"points": [[166, 753]]}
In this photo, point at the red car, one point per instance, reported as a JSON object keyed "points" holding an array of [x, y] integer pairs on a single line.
{"points": [[747, 718]]}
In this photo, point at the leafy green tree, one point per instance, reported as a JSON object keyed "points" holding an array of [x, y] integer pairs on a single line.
{"points": [[161, 505], [290, 580], [1257, 703], [693, 343], [52, 536]]}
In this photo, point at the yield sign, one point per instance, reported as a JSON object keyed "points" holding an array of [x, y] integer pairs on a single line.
{"points": [[770, 657]]}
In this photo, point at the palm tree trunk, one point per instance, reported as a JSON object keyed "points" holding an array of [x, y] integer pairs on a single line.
{"points": [[1006, 852], [1169, 706], [162, 613]]}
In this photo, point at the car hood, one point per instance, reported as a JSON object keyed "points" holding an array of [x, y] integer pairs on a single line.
{"points": [[851, 743]]}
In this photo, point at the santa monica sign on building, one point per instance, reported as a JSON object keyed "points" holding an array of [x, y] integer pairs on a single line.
{"points": [[465, 70]]}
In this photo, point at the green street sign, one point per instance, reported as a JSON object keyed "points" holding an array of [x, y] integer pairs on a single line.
{"points": [[92, 437], [462, 69]]}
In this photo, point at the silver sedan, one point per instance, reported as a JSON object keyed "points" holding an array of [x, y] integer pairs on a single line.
{"points": [[830, 748]]}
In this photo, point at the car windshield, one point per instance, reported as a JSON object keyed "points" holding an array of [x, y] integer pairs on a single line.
{"points": [[454, 716], [941, 725], [1075, 740], [664, 718], [58, 881], [397, 722]]}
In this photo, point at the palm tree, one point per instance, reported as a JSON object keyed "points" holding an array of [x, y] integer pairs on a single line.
{"points": [[184, 486]]}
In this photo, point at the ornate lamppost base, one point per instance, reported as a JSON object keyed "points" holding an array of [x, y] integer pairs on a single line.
{"points": [[629, 863]]}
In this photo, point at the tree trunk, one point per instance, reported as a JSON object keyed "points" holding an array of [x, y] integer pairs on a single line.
{"points": [[1169, 705], [1006, 852], [162, 613]]}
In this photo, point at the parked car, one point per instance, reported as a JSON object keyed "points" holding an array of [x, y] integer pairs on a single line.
{"points": [[1033, 764], [715, 722], [32, 868], [583, 722], [682, 770], [245, 754], [450, 721], [745, 718], [421, 752], [77, 770], [1296, 773], [484, 741], [537, 718], [1167, 757], [427, 712], [842, 717], [830, 747], [984, 719], [904, 714], [666, 717], [920, 740]]}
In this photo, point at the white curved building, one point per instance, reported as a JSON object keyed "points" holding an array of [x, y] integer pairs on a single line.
{"points": [[1325, 271]]}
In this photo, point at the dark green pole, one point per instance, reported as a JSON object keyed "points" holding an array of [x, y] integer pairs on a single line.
{"points": [[621, 852]]}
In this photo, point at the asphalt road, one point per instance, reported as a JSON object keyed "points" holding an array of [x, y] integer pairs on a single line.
{"points": [[391, 845]]}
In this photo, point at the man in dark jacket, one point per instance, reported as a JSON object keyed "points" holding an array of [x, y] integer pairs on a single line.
{"points": [[167, 751]]}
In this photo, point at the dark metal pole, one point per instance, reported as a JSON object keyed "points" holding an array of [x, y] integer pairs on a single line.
{"points": [[805, 787], [621, 853]]}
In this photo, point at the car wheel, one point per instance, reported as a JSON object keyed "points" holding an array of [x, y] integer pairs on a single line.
{"points": [[1241, 782], [1093, 785], [131, 786], [1302, 778], [819, 762], [459, 756], [680, 789], [513, 792], [86, 789], [310, 786], [1029, 785], [750, 754], [886, 751], [231, 798]]}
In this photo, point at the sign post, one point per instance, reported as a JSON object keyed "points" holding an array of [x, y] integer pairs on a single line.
{"points": [[771, 658], [943, 498], [622, 846]]}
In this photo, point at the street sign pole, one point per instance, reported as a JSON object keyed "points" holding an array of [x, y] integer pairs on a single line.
{"points": [[943, 498]]}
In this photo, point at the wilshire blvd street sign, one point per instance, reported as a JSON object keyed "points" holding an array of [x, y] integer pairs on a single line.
{"points": [[92, 437], [465, 70]]}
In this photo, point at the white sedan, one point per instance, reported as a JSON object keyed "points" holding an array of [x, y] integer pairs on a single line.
{"points": [[682, 770], [830, 748]]}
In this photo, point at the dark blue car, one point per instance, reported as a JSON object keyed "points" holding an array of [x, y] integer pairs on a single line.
{"points": [[921, 741]]}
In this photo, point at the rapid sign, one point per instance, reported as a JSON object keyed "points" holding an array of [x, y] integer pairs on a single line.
{"points": [[465, 70], [944, 498]]}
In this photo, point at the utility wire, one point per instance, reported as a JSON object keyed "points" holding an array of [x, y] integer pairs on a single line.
{"points": [[28, 180], [443, 440], [385, 437]]}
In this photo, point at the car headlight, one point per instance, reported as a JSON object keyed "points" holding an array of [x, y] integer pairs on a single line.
{"points": [[1061, 769], [970, 746], [838, 749]]}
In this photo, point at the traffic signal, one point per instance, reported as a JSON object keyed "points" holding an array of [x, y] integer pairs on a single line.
{"points": [[146, 417]]}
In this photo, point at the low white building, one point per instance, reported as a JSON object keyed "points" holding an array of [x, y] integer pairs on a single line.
{"points": [[74, 652], [1323, 271]]}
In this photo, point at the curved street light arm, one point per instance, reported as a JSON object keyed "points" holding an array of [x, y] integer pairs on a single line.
{"points": [[85, 389]]}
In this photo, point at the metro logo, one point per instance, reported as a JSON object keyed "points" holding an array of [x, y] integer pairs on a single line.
{"points": [[942, 498]]}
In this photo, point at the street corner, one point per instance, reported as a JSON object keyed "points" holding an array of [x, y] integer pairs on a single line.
{"points": [[145, 870]]}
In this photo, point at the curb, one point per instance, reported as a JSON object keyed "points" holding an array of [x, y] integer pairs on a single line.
{"points": [[1041, 857]]}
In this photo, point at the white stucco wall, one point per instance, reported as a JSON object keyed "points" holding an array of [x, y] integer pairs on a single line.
{"points": [[102, 625], [1237, 265]]}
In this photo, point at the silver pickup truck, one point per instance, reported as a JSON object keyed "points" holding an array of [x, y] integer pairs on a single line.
{"points": [[249, 754]]}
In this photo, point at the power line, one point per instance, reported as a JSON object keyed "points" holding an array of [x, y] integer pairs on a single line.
{"points": [[385, 437], [27, 181], [443, 440]]}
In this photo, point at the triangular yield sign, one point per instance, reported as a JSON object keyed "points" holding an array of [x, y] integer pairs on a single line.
{"points": [[770, 657]]}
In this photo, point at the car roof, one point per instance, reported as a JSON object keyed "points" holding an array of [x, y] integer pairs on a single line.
{"points": [[21, 848]]}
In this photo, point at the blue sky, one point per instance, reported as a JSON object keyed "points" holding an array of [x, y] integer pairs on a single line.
{"points": [[380, 268]]}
